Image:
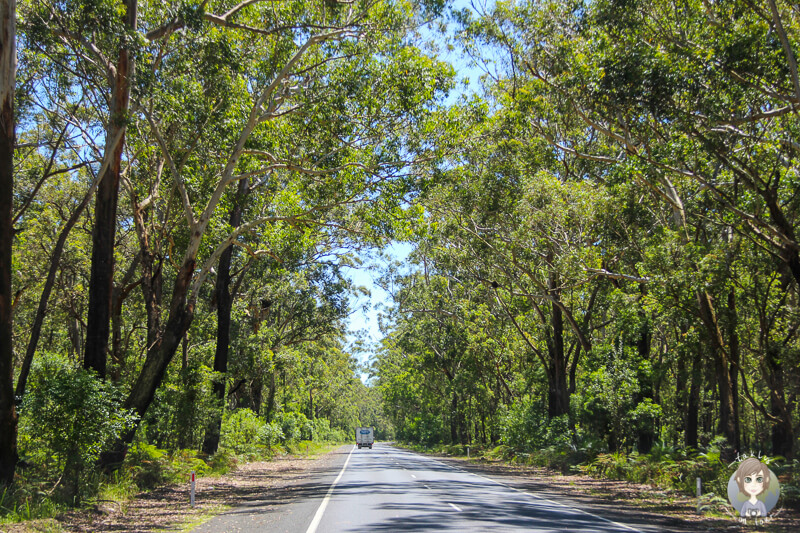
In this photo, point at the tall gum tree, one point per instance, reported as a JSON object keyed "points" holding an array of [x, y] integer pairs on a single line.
{"points": [[8, 68], [323, 127], [105, 207], [693, 100]]}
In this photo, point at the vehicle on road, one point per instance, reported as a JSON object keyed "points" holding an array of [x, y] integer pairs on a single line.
{"points": [[365, 437]]}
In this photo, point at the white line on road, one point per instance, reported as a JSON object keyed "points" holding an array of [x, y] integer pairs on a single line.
{"points": [[412, 475], [427, 487], [318, 517], [456, 507], [531, 495]]}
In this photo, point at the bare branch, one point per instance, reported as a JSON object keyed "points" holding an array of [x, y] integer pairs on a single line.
{"points": [[187, 204], [787, 47], [605, 273]]}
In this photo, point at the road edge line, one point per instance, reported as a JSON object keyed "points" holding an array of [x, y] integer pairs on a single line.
{"points": [[312, 528], [532, 495]]}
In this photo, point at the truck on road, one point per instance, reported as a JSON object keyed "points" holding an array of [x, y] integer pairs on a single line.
{"points": [[365, 437]]}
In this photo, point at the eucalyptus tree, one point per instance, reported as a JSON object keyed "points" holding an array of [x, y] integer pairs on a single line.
{"points": [[525, 223], [321, 129], [289, 304], [8, 71], [691, 101]]}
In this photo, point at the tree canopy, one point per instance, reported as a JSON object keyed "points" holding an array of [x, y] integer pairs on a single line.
{"points": [[604, 233]]}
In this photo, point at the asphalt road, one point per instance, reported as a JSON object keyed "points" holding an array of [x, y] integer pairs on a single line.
{"points": [[388, 489]]}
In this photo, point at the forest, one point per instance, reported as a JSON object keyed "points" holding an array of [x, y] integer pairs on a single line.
{"points": [[605, 264]]}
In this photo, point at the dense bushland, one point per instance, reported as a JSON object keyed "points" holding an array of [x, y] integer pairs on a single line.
{"points": [[608, 267]]}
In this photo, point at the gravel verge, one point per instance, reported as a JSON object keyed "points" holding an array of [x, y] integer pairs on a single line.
{"points": [[639, 505], [167, 508]]}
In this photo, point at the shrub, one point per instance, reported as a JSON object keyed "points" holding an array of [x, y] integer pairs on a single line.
{"points": [[145, 464], [271, 434], [324, 432], [68, 417], [149, 466], [527, 428], [241, 432], [295, 426]]}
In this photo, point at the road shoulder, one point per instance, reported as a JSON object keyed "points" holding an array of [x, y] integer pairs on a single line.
{"points": [[640, 506], [168, 509]]}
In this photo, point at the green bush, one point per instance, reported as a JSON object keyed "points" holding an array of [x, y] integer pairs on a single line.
{"points": [[295, 426], [526, 427], [149, 466], [145, 463], [499, 452], [241, 432], [271, 435], [324, 432], [560, 458], [67, 418]]}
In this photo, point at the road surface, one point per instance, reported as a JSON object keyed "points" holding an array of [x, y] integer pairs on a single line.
{"points": [[388, 489]]}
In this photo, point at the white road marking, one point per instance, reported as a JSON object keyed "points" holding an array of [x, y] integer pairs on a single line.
{"points": [[531, 495], [412, 475], [427, 487], [318, 517], [456, 507]]}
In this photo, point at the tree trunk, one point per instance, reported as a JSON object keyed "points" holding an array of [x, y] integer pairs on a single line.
{"points": [[782, 428], [453, 421], [271, 396], [693, 408], [118, 295], [257, 394], [158, 358], [105, 224], [8, 71], [681, 388], [180, 318], [44, 298], [733, 367], [224, 306], [646, 434], [558, 390], [725, 387]]}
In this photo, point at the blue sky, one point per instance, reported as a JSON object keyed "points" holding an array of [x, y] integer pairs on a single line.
{"points": [[366, 309]]}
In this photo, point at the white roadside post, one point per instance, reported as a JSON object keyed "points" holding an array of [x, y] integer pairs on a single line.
{"points": [[698, 495], [191, 491]]}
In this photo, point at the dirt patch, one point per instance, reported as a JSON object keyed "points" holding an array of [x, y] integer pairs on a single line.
{"points": [[168, 509], [639, 505]]}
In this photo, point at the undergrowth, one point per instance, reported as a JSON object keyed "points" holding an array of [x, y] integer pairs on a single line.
{"points": [[145, 467]]}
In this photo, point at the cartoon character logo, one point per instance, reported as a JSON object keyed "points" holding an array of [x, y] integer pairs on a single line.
{"points": [[753, 490]]}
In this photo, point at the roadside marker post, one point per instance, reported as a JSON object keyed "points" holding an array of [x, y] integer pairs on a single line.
{"points": [[698, 495], [467, 452], [191, 490]]}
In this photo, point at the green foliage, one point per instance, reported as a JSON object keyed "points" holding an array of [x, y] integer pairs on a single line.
{"points": [[325, 433], [789, 473], [176, 418], [149, 467], [24, 502], [666, 467], [525, 427], [67, 419], [242, 432], [295, 426], [271, 434]]}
